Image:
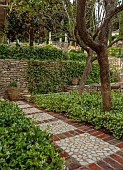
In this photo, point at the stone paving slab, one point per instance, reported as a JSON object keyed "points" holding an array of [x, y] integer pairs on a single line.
{"points": [[31, 110], [40, 116], [20, 102], [87, 148], [24, 106], [56, 127]]}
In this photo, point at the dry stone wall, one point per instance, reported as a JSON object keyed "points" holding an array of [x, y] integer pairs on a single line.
{"points": [[13, 70], [117, 65]]}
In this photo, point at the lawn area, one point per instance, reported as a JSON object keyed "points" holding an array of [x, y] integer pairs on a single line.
{"points": [[22, 145], [86, 108]]}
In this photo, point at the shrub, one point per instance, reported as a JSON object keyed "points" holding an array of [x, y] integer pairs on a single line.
{"points": [[13, 84], [31, 53], [76, 55], [22, 145], [86, 108], [45, 77], [116, 51]]}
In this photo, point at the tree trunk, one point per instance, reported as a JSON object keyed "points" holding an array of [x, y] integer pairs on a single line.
{"points": [[31, 36], [105, 80], [85, 73]]}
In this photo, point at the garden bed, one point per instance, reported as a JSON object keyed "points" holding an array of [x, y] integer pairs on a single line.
{"points": [[22, 145], [86, 108]]}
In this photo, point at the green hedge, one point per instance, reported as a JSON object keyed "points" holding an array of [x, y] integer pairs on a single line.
{"points": [[31, 53], [116, 52], [76, 55], [44, 77], [87, 108], [22, 145], [39, 53]]}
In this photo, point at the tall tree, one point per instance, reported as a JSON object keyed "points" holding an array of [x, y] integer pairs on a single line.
{"points": [[98, 42], [34, 16]]}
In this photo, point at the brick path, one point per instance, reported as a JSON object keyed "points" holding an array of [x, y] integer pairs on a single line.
{"points": [[82, 147]]}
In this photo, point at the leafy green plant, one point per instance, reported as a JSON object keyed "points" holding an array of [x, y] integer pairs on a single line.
{"points": [[31, 53], [86, 108], [13, 84], [23, 145], [115, 51], [77, 55], [47, 77]]}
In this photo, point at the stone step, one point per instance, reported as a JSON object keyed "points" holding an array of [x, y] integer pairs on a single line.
{"points": [[121, 88]]}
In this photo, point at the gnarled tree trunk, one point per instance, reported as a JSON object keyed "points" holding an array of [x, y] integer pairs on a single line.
{"points": [[85, 73], [105, 80]]}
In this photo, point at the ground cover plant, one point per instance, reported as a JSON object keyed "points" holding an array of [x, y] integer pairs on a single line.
{"points": [[22, 145], [86, 108]]}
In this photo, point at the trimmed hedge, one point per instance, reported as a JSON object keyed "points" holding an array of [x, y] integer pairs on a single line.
{"points": [[22, 145], [39, 53], [87, 108], [76, 55], [45, 77], [31, 53], [116, 52]]}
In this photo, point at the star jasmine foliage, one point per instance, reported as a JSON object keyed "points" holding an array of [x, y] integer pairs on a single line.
{"points": [[22, 145]]}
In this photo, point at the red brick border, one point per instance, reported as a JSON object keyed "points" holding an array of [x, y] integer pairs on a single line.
{"points": [[112, 162]]}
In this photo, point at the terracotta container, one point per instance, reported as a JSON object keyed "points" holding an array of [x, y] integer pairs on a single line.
{"points": [[13, 93], [75, 81]]}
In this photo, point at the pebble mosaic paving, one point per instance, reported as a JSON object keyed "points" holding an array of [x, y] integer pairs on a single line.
{"points": [[57, 127], [24, 106], [86, 148], [40, 116], [81, 151], [31, 110], [20, 102]]}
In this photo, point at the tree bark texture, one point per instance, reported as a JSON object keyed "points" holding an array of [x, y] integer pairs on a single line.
{"points": [[105, 80], [85, 73]]}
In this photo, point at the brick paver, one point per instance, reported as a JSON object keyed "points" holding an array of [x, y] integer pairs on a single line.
{"points": [[82, 146], [94, 167]]}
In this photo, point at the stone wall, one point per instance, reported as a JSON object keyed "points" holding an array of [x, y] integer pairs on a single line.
{"points": [[116, 64], [13, 70]]}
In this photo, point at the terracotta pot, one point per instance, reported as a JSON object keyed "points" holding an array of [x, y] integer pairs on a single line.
{"points": [[75, 81], [13, 93]]}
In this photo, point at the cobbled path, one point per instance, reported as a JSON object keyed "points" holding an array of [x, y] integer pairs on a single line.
{"points": [[82, 147]]}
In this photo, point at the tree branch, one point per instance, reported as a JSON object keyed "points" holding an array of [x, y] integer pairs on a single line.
{"points": [[3, 6], [94, 59], [81, 26], [115, 11], [110, 15], [115, 41]]}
